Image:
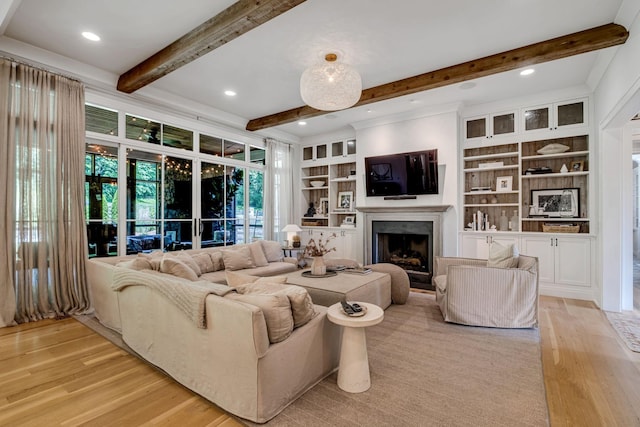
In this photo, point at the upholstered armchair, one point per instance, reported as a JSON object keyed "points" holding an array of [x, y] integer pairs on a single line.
{"points": [[471, 293]]}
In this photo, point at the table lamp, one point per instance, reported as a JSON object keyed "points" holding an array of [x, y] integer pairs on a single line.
{"points": [[292, 230]]}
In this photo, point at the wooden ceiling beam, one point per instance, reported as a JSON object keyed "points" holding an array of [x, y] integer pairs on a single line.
{"points": [[550, 50], [237, 19]]}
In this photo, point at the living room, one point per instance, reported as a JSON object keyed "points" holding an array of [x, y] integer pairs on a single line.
{"points": [[612, 99]]}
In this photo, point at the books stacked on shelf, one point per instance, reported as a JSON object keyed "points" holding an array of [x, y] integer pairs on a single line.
{"points": [[475, 189], [357, 270]]}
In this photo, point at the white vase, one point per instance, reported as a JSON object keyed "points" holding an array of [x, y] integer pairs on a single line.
{"points": [[318, 267]]}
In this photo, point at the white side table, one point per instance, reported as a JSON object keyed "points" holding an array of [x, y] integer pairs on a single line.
{"points": [[353, 373]]}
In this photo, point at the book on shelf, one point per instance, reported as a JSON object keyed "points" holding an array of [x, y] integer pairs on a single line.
{"points": [[357, 270]]}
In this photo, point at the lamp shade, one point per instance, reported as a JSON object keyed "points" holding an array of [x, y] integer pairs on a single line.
{"points": [[331, 85], [291, 228]]}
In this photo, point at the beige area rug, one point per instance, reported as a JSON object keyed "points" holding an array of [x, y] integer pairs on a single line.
{"points": [[426, 372], [627, 325]]}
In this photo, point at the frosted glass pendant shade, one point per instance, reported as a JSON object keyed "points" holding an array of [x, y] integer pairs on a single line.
{"points": [[330, 86]]}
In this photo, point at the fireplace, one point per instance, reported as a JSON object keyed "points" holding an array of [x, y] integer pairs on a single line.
{"points": [[409, 237], [407, 244]]}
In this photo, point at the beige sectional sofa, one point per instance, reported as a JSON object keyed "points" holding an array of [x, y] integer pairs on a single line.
{"points": [[232, 358]]}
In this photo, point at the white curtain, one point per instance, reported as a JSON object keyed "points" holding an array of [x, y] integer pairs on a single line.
{"points": [[42, 270], [279, 189]]}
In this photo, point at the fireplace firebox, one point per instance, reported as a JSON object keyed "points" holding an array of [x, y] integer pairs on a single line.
{"points": [[407, 244]]}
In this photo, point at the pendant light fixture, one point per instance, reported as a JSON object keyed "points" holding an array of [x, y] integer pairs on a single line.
{"points": [[330, 85]]}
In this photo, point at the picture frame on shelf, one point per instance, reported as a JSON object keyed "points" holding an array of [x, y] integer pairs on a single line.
{"points": [[504, 183], [556, 203], [351, 219], [577, 166], [345, 200]]}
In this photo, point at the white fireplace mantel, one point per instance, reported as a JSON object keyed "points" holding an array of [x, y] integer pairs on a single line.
{"points": [[404, 213]]}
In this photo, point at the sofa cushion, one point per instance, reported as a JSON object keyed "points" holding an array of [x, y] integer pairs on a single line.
{"points": [[502, 256], [238, 258], [276, 310], [191, 263], [155, 258], [136, 264], [204, 261], [176, 267], [235, 278], [301, 303], [259, 258], [272, 250], [216, 258], [272, 269]]}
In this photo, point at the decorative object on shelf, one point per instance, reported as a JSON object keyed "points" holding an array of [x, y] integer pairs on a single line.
{"points": [[296, 241], [330, 85], [504, 183], [538, 171], [491, 165], [564, 169], [550, 227], [548, 202], [553, 148], [577, 166], [480, 222], [317, 183], [483, 201], [292, 230], [349, 221], [311, 211], [567, 205], [504, 222], [514, 221], [345, 200], [323, 206], [494, 200]]}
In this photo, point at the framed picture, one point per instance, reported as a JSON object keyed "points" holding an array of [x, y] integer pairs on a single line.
{"points": [[351, 219], [577, 166], [345, 200], [504, 183], [560, 202]]}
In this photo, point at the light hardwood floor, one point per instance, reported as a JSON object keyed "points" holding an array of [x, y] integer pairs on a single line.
{"points": [[62, 373]]}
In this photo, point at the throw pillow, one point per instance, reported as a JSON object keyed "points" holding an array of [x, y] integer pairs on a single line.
{"points": [[204, 261], [216, 258], [502, 257], [277, 313], [238, 258], [155, 258], [136, 264], [258, 254], [235, 278], [272, 250], [188, 259], [301, 304], [176, 267]]}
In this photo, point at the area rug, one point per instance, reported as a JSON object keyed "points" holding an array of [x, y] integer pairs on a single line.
{"points": [[425, 372], [627, 325]]}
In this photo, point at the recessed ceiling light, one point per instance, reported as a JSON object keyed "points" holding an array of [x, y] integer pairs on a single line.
{"points": [[414, 101], [229, 93], [369, 110], [91, 36], [467, 85], [302, 123], [527, 72]]}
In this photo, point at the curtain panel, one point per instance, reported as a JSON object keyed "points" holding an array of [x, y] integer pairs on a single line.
{"points": [[42, 127], [279, 181]]}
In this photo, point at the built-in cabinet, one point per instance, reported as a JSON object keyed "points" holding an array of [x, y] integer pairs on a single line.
{"points": [[538, 176], [328, 187]]}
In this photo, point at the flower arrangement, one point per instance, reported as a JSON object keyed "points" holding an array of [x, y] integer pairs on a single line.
{"points": [[321, 248]]}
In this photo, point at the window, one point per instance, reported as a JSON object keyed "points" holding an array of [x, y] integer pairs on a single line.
{"points": [[101, 199], [101, 120]]}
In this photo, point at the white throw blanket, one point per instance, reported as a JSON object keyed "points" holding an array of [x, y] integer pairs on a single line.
{"points": [[187, 296]]}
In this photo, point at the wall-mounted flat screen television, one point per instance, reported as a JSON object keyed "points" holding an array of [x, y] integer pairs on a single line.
{"points": [[402, 174]]}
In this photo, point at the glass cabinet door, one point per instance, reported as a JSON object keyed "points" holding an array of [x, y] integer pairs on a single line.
{"points": [[337, 149], [536, 118], [504, 123], [477, 128], [307, 153], [570, 114]]}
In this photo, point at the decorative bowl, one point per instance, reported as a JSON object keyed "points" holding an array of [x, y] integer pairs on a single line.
{"points": [[317, 183], [554, 148]]}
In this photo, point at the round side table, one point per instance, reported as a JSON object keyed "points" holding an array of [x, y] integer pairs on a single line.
{"points": [[353, 373]]}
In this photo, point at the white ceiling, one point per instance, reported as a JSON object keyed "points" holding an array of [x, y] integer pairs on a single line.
{"points": [[384, 40]]}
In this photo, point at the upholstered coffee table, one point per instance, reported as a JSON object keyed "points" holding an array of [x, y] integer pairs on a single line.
{"points": [[374, 288], [353, 373]]}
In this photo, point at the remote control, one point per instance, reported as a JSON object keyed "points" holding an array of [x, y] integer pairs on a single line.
{"points": [[347, 308], [356, 307]]}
